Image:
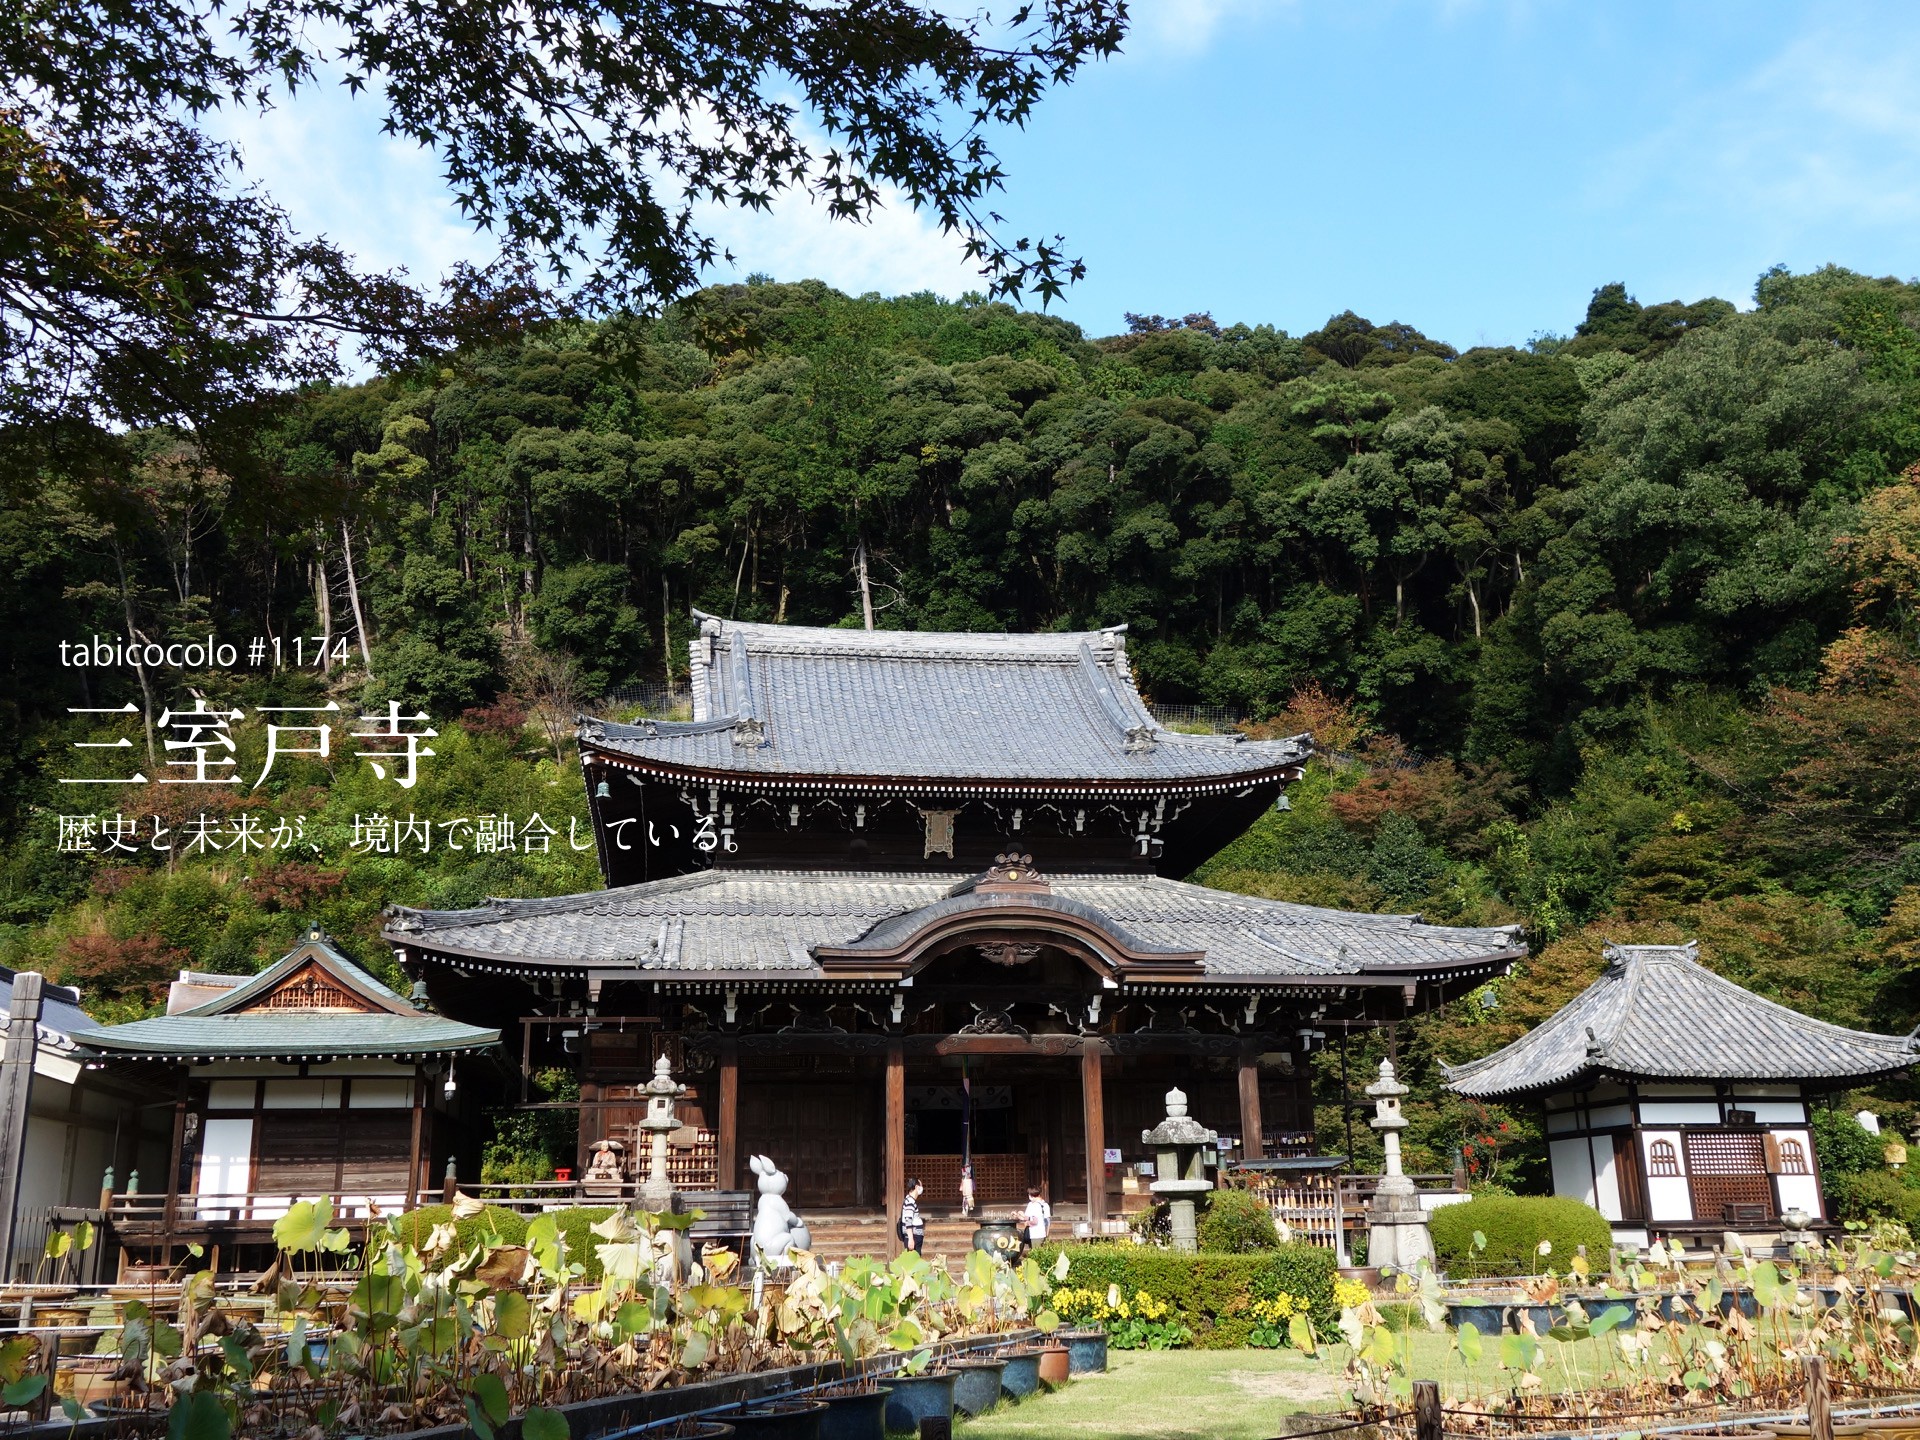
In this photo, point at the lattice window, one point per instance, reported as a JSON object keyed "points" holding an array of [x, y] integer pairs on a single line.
{"points": [[1793, 1158], [1662, 1158], [1723, 1152], [310, 989], [1727, 1173]]}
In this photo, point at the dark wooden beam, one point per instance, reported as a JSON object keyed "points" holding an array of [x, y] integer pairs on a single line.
{"points": [[1252, 1137], [16, 1094], [726, 1129], [893, 1164], [1093, 1117], [413, 1140]]}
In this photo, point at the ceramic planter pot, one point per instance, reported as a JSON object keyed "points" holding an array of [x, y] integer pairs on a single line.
{"points": [[976, 1385], [998, 1238], [1086, 1351], [1022, 1375], [1539, 1316], [778, 1420], [1056, 1365], [912, 1398], [1743, 1299], [861, 1415], [1486, 1316]]}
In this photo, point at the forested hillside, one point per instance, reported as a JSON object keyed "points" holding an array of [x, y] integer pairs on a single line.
{"points": [[1615, 635]]}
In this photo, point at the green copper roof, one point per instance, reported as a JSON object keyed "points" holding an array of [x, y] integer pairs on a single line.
{"points": [[244, 1024], [288, 1035]]}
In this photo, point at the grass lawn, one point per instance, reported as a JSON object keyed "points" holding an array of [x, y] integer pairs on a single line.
{"points": [[1236, 1394]]}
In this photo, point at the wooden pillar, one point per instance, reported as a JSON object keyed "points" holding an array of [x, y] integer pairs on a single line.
{"points": [[1093, 1117], [893, 1164], [16, 1093], [726, 1128], [413, 1141], [174, 1162], [1252, 1137]]}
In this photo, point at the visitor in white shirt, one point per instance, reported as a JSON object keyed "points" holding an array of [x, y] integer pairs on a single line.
{"points": [[1035, 1221]]}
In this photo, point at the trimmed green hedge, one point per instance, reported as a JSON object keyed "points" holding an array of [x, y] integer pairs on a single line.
{"points": [[1515, 1226], [1211, 1294], [416, 1225], [576, 1228], [1237, 1223]]}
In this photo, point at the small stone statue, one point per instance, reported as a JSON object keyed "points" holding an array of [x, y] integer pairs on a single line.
{"points": [[776, 1229], [603, 1176]]}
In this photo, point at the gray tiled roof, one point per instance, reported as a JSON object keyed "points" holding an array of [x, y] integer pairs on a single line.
{"points": [[769, 921], [61, 1018], [1656, 1013], [288, 1034], [785, 700]]}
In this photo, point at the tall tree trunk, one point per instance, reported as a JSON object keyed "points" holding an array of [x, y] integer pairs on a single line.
{"points": [[866, 590], [666, 628], [322, 590], [353, 594], [1473, 599], [133, 641]]}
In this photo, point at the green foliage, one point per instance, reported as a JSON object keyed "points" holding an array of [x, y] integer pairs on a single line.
{"points": [[1514, 1228], [1237, 1223], [1212, 1296], [1843, 1146], [491, 1224]]}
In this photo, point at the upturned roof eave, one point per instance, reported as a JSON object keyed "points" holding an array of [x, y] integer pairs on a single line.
{"points": [[1273, 769], [1589, 1075]]}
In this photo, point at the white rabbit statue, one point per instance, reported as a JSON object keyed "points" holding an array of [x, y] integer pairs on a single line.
{"points": [[776, 1229]]}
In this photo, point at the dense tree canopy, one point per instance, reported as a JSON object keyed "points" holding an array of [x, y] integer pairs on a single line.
{"points": [[142, 282], [1614, 635]]}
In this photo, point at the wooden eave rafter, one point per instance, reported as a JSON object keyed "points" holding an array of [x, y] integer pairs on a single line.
{"points": [[907, 786]]}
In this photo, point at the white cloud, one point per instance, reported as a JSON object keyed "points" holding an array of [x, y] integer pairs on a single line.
{"points": [[322, 157], [1827, 128], [898, 251], [1183, 29]]}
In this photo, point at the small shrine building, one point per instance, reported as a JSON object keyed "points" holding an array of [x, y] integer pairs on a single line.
{"points": [[891, 902], [1676, 1102], [310, 1079]]}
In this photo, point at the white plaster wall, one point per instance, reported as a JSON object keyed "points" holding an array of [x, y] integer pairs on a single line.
{"points": [[1668, 1198], [1602, 1116], [1679, 1112], [1572, 1169], [1776, 1112], [1606, 1182]]}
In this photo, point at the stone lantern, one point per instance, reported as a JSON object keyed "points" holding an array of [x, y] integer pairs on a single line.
{"points": [[1397, 1226], [656, 1191], [1180, 1145]]}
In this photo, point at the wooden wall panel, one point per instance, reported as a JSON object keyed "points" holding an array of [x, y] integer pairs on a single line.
{"points": [[811, 1131]]}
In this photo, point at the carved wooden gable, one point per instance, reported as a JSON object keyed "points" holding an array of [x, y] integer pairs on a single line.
{"points": [[311, 987]]}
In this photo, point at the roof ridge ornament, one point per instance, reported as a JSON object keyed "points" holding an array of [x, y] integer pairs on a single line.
{"points": [[1142, 738], [750, 733], [1014, 871]]}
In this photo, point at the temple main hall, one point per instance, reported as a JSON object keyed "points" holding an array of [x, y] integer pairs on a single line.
{"points": [[892, 902]]}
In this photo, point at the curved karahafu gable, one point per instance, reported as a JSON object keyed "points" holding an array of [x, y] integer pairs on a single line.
{"points": [[1658, 1014]]}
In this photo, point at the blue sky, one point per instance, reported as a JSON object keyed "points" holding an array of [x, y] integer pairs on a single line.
{"points": [[1473, 167]]}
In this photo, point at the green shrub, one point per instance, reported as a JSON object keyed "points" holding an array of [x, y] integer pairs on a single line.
{"points": [[1872, 1196], [1515, 1226], [1237, 1223], [1844, 1146], [1213, 1295], [416, 1225], [576, 1228]]}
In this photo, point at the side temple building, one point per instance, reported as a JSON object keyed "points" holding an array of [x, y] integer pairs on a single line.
{"points": [[892, 897]]}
